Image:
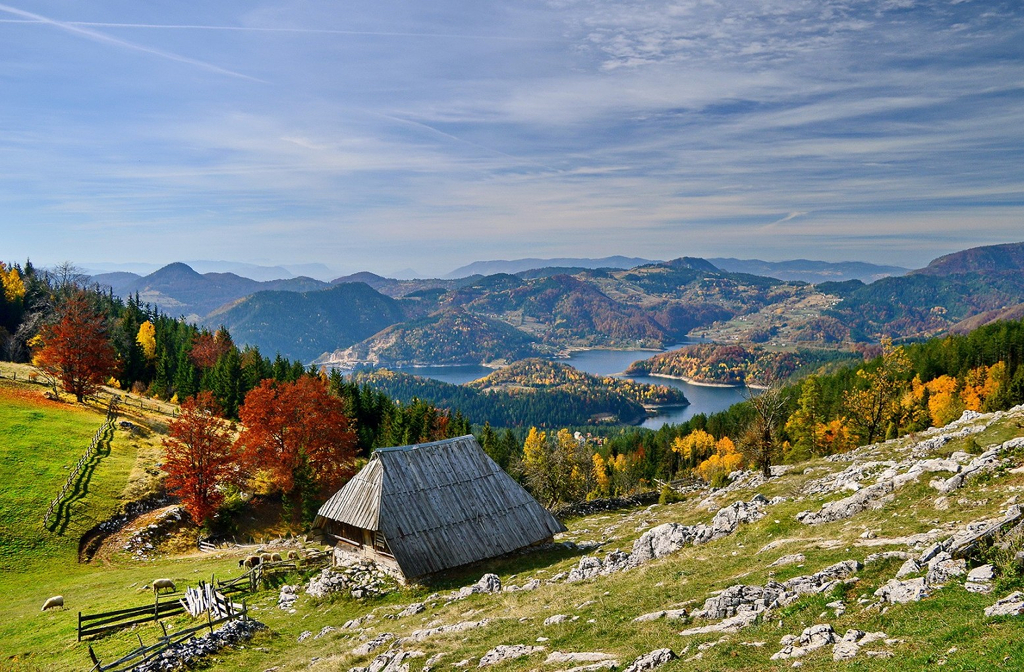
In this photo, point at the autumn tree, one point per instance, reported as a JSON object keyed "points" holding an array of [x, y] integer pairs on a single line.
{"points": [[75, 348], [875, 405], [299, 434], [146, 339], [759, 441], [717, 467], [200, 457]]}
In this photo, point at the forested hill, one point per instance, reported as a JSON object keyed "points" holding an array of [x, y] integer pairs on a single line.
{"points": [[449, 336], [709, 363], [987, 259], [337, 317], [533, 375], [556, 406]]}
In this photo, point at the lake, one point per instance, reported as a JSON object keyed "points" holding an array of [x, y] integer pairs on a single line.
{"points": [[611, 363]]}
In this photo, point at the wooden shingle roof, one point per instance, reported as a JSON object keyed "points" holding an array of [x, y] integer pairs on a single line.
{"points": [[440, 505]]}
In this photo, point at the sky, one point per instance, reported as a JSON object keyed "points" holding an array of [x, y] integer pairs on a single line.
{"points": [[395, 135]]}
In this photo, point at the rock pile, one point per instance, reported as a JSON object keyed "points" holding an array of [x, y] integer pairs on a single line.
{"points": [[361, 580], [811, 639], [186, 654], [143, 543], [739, 605], [288, 596]]}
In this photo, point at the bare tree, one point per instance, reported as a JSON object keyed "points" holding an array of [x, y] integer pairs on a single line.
{"points": [[65, 278], [760, 441]]}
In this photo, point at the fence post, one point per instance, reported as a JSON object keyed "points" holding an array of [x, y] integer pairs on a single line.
{"points": [[80, 629]]}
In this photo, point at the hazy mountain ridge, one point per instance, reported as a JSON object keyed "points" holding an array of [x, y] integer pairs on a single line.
{"points": [[178, 289], [807, 270], [518, 265]]}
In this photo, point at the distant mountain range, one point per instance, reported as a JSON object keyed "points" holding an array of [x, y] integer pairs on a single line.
{"points": [[177, 289], [805, 270], [251, 271], [519, 265], [367, 318]]}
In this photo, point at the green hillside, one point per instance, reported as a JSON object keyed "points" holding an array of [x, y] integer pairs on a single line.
{"points": [[304, 325]]}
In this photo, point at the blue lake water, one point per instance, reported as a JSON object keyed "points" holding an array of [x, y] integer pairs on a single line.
{"points": [[610, 363]]}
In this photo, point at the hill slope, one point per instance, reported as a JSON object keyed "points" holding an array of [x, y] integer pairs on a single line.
{"points": [[330, 319]]}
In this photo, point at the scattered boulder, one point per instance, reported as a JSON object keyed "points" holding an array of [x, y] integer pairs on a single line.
{"points": [[789, 560], [667, 614], [852, 642], [811, 639], [1011, 605], [558, 618], [650, 661], [979, 579], [373, 644], [942, 568], [412, 610], [560, 658], [504, 652], [488, 583], [902, 592]]}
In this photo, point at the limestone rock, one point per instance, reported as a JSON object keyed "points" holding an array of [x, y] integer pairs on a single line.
{"points": [[942, 568], [504, 652], [668, 614], [1011, 605], [789, 560], [902, 592], [559, 657], [909, 567], [979, 579], [650, 661], [811, 639]]}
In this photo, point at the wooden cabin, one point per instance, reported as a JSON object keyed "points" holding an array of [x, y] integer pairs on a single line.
{"points": [[421, 509]]}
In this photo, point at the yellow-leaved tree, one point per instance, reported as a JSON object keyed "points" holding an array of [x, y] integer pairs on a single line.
{"points": [[147, 339], [725, 460]]}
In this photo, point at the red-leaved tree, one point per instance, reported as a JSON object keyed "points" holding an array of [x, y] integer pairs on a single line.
{"points": [[75, 349], [299, 433], [199, 457]]}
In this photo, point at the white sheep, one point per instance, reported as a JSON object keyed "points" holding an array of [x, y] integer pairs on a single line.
{"points": [[265, 557], [160, 584], [275, 557], [55, 602], [293, 555]]}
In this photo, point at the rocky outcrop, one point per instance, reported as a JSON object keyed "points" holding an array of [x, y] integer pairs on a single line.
{"points": [[1011, 605], [850, 645], [811, 639], [979, 579], [503, 652], [652, 660], [901, 592]]}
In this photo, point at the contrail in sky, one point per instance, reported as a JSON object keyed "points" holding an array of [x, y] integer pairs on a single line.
{"points": [[256, 29], [78, 29]]}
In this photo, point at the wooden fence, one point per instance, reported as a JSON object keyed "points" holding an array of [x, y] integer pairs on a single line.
{"points": [[144, 654], [108, 621], [77, 469]]}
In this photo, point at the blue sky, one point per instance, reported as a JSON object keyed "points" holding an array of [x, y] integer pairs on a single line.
{"points": [[388, 135]]}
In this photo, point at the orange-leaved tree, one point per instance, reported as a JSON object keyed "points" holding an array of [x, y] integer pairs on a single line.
{"points": [[200, 457], [75, 349], [299, 435]]}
